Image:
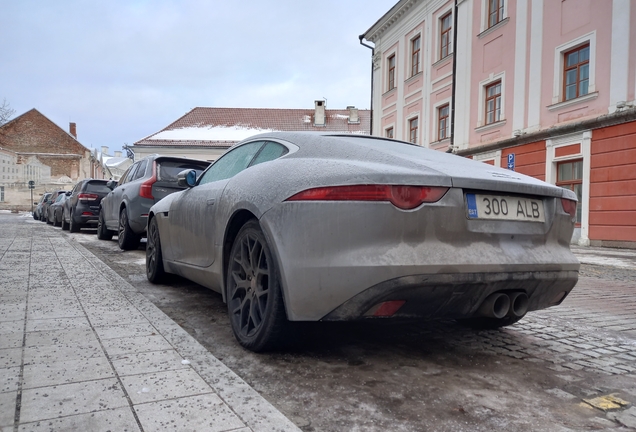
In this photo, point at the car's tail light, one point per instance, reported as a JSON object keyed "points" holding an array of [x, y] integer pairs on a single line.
{"points": [[385, 309], [403, 197], [569, 207], [87, 197], [145, 190]]}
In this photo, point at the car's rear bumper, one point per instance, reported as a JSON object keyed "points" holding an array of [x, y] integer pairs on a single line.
{"points": [[329, 253], [456, 295]]}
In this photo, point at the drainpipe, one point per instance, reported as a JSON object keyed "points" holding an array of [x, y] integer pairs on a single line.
{"points": [[372, 55], [451, 146]]}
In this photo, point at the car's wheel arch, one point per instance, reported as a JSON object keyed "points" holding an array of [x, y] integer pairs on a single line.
{"points": [[234, 225]]}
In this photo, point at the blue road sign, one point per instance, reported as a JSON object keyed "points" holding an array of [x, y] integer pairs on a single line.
{"points": [[511, 161]]}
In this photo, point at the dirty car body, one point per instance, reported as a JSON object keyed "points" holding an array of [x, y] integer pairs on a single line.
{"points": [[362, 227]]}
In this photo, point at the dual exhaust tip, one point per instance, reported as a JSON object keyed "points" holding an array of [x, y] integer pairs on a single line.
{"points": [[500, 305]]}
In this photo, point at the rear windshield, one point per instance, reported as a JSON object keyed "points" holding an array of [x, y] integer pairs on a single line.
{"points": [[168, 169], [98, 187]]}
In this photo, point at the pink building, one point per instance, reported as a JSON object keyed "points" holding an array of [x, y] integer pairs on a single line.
{"points": [[547, 88]]}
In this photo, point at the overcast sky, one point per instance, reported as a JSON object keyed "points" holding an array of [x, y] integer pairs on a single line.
{"points": [[123, 70]]}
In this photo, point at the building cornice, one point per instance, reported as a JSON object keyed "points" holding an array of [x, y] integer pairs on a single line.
{"points": [[395, 14], [606, 120]]}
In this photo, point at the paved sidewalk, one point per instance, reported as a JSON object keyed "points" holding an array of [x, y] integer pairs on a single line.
{"points": [[81, 349]]}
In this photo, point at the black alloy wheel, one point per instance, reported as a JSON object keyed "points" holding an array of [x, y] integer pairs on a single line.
{"points": [[103, 233], [126, 237], [254, 299], [154, 257]]}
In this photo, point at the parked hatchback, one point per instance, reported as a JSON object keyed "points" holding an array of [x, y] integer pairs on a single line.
{"points": [[82, 208], [124, 210]]}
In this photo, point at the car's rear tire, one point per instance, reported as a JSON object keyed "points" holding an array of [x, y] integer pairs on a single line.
{"points": [[254, 298], [126, 237], [154, 257], [103, 233], [35, 216]]}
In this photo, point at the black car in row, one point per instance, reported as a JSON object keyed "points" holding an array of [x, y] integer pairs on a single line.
{"points": [[74, 209]]}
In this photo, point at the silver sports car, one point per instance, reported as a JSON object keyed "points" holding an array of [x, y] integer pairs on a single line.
{"points": [[310, 227]]}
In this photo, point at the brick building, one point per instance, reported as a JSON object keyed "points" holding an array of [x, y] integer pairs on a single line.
{"points": [[546, 88], [35, 148]]}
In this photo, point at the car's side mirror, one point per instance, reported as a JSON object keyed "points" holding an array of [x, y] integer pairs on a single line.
{"points": [[187, 178], [68, 193], [111, 184]]}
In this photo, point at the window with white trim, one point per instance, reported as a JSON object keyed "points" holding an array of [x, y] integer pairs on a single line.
{"points": [[446, 26], [391, 72], [576, 72], [443, 114], [415, 55], [413, 127]]}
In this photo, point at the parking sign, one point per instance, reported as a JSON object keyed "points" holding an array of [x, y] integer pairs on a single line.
{"points": [[511, 161]]}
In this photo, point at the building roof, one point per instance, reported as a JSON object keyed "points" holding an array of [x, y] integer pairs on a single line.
{"points": [[222, 127]]}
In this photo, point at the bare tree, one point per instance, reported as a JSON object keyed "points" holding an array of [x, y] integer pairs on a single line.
{"points": [[6, 112]]}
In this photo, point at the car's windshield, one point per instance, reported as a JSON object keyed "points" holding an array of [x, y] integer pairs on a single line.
{"points": [[168, 170], [99, 187]]}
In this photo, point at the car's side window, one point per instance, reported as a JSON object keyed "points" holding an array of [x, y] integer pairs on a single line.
{"points": [[231, 163], [130, 174], [141, 171], [269, 152]]}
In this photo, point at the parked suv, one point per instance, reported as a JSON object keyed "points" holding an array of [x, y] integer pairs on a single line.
{"points": [[124, 210], [82, 208], [38, 209], [54, 212], [44, 210]]}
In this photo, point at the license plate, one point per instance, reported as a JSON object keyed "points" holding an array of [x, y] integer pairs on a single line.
{"points": [[501, 207]]}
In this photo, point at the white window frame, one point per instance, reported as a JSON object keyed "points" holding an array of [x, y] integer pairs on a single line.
{"points": [[434, 137], [484, 14], [386, 76], [557, 87], [407, 128], [387, 127], [481, 109], [551, 161], [438, 34], [420, 64]]}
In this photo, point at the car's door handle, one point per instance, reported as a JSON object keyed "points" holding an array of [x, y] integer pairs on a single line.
{"points": [[211, 201]]}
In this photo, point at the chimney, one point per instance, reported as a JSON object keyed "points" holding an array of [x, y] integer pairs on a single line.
{"points": [[319, 116], [117, 154], [105, 150], [353, 115], [73, 129]]}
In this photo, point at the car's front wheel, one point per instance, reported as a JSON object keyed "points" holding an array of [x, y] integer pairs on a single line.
{"points": [[103, 233], [254, 298], [154, 258], [126, 237]]}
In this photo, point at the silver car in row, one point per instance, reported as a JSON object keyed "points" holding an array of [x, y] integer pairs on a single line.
{"points": [[319, 227]]}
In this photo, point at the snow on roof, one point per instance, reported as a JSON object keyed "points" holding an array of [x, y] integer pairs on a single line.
{"points": [[214, 133], [222, 127]]}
